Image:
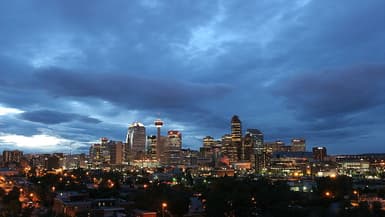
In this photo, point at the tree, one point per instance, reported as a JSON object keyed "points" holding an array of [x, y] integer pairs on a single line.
{"points": [[177, 199], [11, 203], [338, 187]]}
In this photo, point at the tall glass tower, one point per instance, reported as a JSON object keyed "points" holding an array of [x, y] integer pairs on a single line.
{"points": [[256, 150], [136, 141], [236, 137]]}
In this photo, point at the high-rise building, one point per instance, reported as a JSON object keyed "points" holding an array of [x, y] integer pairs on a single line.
{"points": [[100, 153], [116, 152], [158, 124], [229, 149], [208, 141], [53, 161], [151, 145], [12, 156], [217, 151], [254, 149], [136, 141], [207, 149], [298, 145], [174, 145], [75, 161], [236, 137], [319, 153], [274, 146]]}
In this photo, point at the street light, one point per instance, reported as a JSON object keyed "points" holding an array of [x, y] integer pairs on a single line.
{"points": [[164, 206], [355, 192], [327, 194]]}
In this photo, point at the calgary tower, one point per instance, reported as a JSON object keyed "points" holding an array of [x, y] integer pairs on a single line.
{"points": [[158, 124]]}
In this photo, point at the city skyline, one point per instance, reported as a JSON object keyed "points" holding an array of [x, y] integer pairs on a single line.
{"points": [[73, 72]]}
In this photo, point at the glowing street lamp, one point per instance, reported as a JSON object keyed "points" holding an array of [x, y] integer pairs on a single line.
{"points": [[164, 206], [328, 194], [355, 192]]}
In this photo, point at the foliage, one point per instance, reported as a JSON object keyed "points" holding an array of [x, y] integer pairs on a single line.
{"points": [[11, 203], [177, 199], [229, 196], [338, 186]]}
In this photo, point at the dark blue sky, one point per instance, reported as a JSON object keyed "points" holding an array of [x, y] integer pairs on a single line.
{"points": [[73, 71]]}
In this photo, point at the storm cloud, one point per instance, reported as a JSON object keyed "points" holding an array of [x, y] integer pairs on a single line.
{"points": [[132, 91], [335, 93], [77, 71], [55, 117]]}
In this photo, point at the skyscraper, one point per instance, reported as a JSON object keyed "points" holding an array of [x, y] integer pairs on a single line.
{"points": [[319, 153], [174, 145], [12, 156], [116, 152], [228, 149], [254, 148], [151, 145], [100, 153], [158, 124], [207, 149], [136, 141], [298, 145], [236, 137]]}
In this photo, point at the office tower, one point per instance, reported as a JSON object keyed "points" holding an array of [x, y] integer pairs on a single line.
{"points": [[116, 152], [217, 151], [136, 141], [298, 145], [105, 151], [189, 157], [271, 148], [174, 145], [75, 161], [100, 153], [274, 146], [236, 137], [319, 153], [53, 161], [207, 149], [248, 143], [229, 149], [208, 141], [151, 145], [254, 149], [158, 124], [12, 156]]}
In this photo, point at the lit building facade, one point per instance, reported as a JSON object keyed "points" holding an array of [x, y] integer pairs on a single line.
{"points": [[274, 146], [174, 145], [151, 147], [100, 153], [255, 150], [116, 149], [207, 149], [228, 149], [298, 145], [236, 137], [319, 153], [159, 150], [12, 156], [136, 141]]}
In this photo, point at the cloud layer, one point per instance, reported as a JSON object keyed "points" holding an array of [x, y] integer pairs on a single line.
{"points": [[76, 71]]}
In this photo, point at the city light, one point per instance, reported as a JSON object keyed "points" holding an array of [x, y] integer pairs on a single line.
{"points": [[327, 194]]}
